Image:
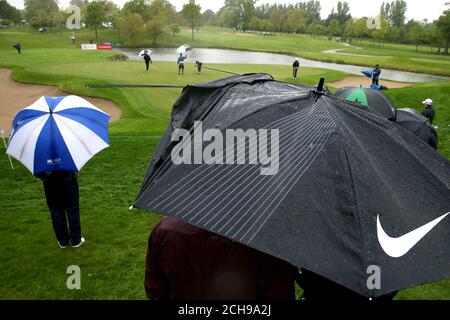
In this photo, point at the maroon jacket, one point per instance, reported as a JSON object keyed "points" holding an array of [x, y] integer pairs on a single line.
{"points": [[188, 263]]}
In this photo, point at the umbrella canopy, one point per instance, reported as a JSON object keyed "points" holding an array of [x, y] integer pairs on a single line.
{"points": [[371, 98], [348, 180], [58, 133], [145, 51], [368, 74], [184, 49], [413, 121]]}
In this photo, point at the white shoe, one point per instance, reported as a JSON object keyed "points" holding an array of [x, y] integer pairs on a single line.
{"points": [[80, 244], [61, 246]]}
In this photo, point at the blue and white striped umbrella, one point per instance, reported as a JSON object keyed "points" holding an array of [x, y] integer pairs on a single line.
{"points": [[58, 133]]}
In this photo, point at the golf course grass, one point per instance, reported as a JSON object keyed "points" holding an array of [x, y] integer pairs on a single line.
{"points": [[113, 260], [389, 56]]}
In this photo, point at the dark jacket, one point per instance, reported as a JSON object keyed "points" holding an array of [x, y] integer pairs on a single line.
{"points": [[188, 263], [56, 176], [296, 64], [181, 59], [147, 58], [376, 73], [429, 113]]}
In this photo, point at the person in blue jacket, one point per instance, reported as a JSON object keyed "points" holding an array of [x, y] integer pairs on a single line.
{"points": [[180, 62], [376, 75]]}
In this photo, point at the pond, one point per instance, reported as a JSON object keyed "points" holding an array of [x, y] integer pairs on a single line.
{"points": [[224, 56]]}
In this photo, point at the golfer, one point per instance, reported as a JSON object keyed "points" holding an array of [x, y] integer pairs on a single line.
{"points": [[18, 47], [295, 67], [62, 194], [147, 60], [180, 62], [72, 37], [188, 263], [429, 111], [376, 75]]}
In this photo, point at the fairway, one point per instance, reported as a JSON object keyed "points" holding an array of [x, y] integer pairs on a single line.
{"points": [[113, 260]]}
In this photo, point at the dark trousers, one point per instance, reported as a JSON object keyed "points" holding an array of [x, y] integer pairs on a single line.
{"points": [[147, 64], [63, 203], [294, 72], [375, 81], [181, 68]]}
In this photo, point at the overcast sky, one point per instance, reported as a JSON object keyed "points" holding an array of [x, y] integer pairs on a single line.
{"points": [[417, 9]]}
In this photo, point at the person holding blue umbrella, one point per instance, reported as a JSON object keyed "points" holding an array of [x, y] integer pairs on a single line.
{"points": [[54, 138], [376, 75]]}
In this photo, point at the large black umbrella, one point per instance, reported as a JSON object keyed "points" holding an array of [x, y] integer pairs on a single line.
{"points": [[413, 121], [373, 99], [351, 192]]}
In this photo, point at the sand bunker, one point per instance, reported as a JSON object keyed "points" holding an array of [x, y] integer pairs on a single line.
{"points": [[366, 82], [15, 96]]}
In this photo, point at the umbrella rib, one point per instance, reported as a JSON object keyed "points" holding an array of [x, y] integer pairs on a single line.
{"points": [[22, 150], [286, 122], [306, 162], [297, 151], [187, 176], [215, 170], [223, 191], [73, 133], [283, 120], [284, 196], [298, 129], [376, 120]]}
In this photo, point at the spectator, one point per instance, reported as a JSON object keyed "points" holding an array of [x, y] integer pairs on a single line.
{"points": [[295, 67], [147, 59], [429, 111], [18, 47], [180, 62], [376, 75], [188, 263], [62, 194]]}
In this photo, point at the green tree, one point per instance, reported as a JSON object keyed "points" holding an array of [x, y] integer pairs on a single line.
{"points": [[242, 12], [8, 12], [360, 28], [161, 9], [136, 6], [191, 13], [227, 18], [312, 11], [95, 16], [316, 29], [342, 13], [296, 20], [38, 12], [209, 17], [395, 12], [349, 30], [174, 28], [111, 10], [131, 28], [155, 28], [431, 35], [276, 20], [255, 24], [380, 33], [334, 28], [415, 33], [443, 25]]}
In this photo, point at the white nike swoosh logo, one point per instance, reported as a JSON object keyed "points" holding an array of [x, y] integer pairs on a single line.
{"points": [[397, 247]]}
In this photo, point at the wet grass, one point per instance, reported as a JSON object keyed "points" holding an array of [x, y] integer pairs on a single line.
{"points": [[112, 262]]}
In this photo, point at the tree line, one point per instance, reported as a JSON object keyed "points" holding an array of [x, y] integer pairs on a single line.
{"points": [[159, 20]]}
